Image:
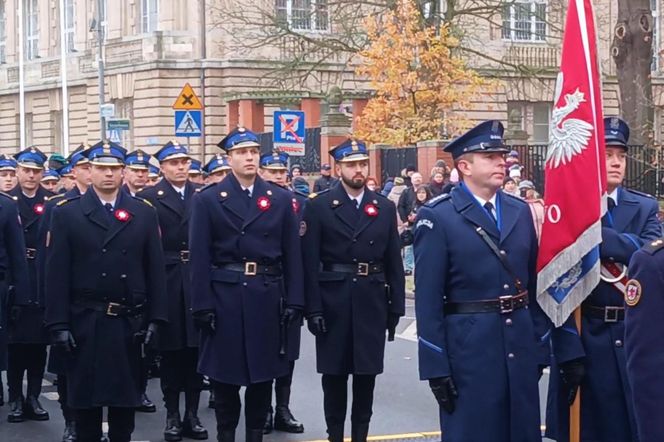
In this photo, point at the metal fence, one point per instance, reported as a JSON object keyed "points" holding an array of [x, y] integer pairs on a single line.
{"points": [[310, 162], [394, 160]]}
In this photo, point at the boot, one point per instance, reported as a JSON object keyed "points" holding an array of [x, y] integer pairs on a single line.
{"points": [[70, 432], [2, 392], [33, 409], [267, 428], [254, 435], [147, 406], [16, 410], [359, 432], [283, 418], [335, 433], [192, 427], [226, 436], [211, 400], [173, 430]]}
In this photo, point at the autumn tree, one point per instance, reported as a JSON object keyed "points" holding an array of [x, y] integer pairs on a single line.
{"points": [[418, 78]]}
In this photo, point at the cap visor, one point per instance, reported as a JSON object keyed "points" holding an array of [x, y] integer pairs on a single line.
{"points": [[354, 157]]}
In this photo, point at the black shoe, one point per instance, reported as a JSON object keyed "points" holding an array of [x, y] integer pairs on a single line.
{"points": [[267, 428], [173, 431], [70, 432], [285, 421], [211, 401], [104, 438], [359, 432], [226, 436], [192, 427], [2, 395], [254, 435], [335, 433], [16, 411], [147, 406], [33, 410]]}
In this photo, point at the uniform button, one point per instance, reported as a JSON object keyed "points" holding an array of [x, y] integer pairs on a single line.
{"points": [[371, 243], [510, 355], [354, 260], [123, 276], [508, 322], [184, 243], [506, 286], [103, 275], [103, 250], [26, 230], [354, 240], [502, 252], [242, 233], [244, 284], [354, 279], [619, 343]]}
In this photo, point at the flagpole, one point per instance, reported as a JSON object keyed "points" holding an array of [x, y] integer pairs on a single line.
{"points": [[63, 79], [21, 87], [575, 408]]}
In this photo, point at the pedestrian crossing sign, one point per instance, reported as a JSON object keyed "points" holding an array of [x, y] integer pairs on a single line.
{"points": [[188, 123]]}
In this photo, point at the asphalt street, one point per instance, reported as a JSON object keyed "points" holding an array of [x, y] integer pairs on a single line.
{"points": [[404, 408]]}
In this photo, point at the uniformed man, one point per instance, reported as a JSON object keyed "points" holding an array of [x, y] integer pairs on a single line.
{"points": [[50, 180], [153, 175], [178, 343], [7, 173], [67, 179], [79, 167], [136, 169], [27, 337], [595, 360], [105, 292], [246, 285], [644, 346], [354, 283], [196, 172], [217, 168], [481, 332], [274, 168]]}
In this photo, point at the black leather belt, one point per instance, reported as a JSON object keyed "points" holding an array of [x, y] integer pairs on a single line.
{"points": [[502, 305], [30, 253], [252, 268], [359, 269], [177, 256], [609, 313], [111, 308]]}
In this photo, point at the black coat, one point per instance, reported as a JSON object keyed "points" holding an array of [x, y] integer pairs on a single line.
{"points": [[173, 214], [29, 326], [228, 227], [13, 267], [355, 308], [406, 203], [94, 258]]}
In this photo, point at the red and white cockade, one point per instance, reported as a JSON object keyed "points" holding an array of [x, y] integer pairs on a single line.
{"points": [[263, 203], [122, 215], [38, 208], [371, 210]]}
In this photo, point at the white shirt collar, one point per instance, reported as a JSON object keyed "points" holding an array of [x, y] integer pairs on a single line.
{"points": [[483, 201], [179, 190], [358, 198], [614, 195], [250, 188]]}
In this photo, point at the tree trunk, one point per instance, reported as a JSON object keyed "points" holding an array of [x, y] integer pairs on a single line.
{"points": [[632, 53]]}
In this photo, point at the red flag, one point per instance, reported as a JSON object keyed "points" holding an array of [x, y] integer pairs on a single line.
{"points": [[575, 174]]}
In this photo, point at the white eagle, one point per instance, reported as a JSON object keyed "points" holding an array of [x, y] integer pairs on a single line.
{"points": [[568, 137]]}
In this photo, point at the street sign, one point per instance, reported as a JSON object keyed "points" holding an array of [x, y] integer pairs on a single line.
{"points": [[289, 132], [107, 110], [188, 123], [187, 100], [118, 124]]}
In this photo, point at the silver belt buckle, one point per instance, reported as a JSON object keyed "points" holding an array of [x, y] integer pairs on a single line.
{"points": [[362, 269], [250, 268], [506, 304], [611, 313]]}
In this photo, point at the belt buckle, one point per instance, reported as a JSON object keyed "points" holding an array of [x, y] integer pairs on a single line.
{"points": [[362, 269], [184, 256], [613, 315], [250, 268], [30, 253], [110, 309], [506, 304]]}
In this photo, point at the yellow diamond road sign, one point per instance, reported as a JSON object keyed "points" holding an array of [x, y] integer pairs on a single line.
{"points": [[188, 100]]}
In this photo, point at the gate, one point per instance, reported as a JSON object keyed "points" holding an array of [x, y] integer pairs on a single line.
{"points": [[393, 160], [310, 162]]}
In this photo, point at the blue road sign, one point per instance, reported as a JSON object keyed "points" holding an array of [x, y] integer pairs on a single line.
{"points": [[289, 132], [188, 123]]}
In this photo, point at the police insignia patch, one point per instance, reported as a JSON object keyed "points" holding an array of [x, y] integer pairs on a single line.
{"points": [[632, 292], [303, 228], [424, 222]]}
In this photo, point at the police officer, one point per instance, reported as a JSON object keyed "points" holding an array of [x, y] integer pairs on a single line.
{"points": [[644, 346], [27, 337], [217, 168], [153, 175], [354, 283], [50, 180], [178, 343], [7, 173], [247, 292], [595, 360], [274, 168], [481, 332], [136, 169], [79, 166], [196, 172], [105, 289]]}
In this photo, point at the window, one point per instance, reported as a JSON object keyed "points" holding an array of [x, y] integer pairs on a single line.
{"points": [[31, 29], [524, 20], [70, 31], [535, 118], [303, 15], [541, 118], [3, 32], [149, 15]]}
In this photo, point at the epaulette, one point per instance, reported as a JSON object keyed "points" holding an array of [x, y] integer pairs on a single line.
{"points": [[433, 202], [653, 246], [143, 200], [302, 194], [206, 187], [317, 194], [636, 192], [67, 200], [54, 197]]}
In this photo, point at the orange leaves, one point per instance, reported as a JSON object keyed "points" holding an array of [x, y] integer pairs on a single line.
{"points": [[419, 84]]}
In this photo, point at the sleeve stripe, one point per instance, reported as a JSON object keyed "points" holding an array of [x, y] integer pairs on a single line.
{"points": [[430, 345]]}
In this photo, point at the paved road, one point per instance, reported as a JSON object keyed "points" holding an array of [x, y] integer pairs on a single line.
{"points": [[403, 405]]}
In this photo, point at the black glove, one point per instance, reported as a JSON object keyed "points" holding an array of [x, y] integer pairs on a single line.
{"points": [[290, 316], [63, 339], [445, 392], [571, 373], [14, 314], [392, 322], [151, 335], [206, 320], [316, 325]]}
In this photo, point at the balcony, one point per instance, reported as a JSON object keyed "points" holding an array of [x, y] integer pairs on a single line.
{"points": [[538, 57]]}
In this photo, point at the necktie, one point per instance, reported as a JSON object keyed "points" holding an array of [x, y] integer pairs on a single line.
{"points": [[109, 207], [181, 195], [611, 204], [489, 208], [246, 191]]}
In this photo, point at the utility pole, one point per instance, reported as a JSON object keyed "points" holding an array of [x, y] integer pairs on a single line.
{"points": [[102, 91], [63, 79], [21, 74]]}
